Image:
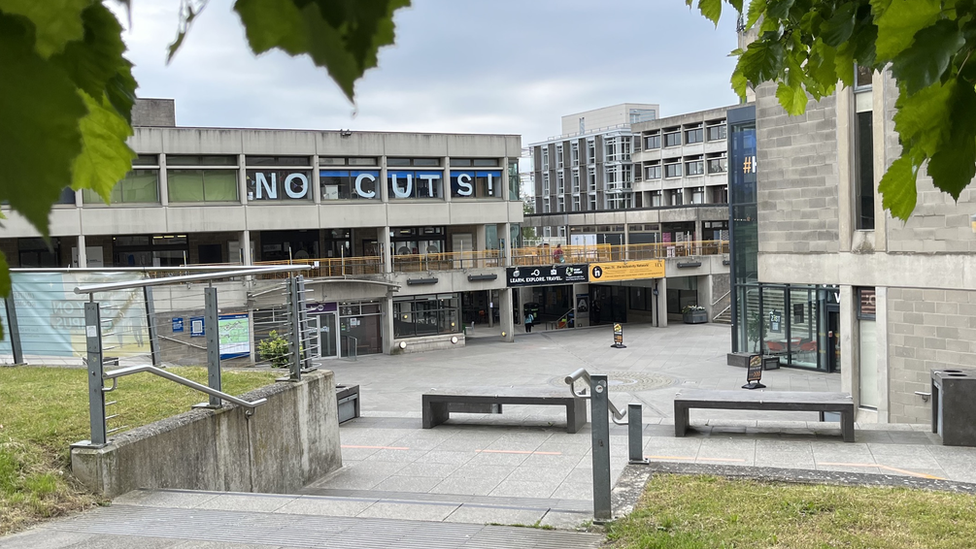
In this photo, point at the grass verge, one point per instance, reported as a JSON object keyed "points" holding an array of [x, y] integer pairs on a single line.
{"points": [[44, 410], [684, 512]]}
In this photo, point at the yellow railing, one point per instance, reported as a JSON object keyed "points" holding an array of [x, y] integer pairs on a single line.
{"points": [[536, 255]]}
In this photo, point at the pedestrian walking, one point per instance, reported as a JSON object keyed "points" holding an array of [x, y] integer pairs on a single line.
{"points": [[529, 319]]}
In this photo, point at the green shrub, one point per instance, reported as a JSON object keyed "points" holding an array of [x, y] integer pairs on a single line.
{"points": [[274, 349]]}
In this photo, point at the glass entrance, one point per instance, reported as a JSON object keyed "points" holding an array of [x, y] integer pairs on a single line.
{"points": [[326, 326]]}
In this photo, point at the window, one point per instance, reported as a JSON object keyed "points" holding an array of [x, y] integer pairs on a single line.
{"points": [[610, 150], [694, 135], [474, 162], [559, 157], [672, 139], [718, 165], [675, 197], [862, 78], [592, 202], [656, 199], [545, 205], [716, 132], [273, 161], [591, 179], [863, 161], [349, 184], [202, 160], [262, 185], [574, 153], [138, 187], [425, 315], [560, 204], [576, 181], [545, 157], [576, 203], [349, 161], [720, 195], [560, 182], [625, 148], [698, 195], [694, 167], [205, 185], [590, 151], [545, 184], [652, 142], [415, 184], [424, 162], [652, 171], [672, 170], [642, 115]]}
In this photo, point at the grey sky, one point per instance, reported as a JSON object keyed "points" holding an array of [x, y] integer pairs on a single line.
{"points": [[500, 66]]}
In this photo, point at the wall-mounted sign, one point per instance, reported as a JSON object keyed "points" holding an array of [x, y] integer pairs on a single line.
{"points": [[196, 326], [475, 183], [626, 270], [235, 335], [177, 324], [545, 274], [278, 184]]}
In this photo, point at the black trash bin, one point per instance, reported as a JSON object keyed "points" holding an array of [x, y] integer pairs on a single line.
{"points": [[954, 406]]}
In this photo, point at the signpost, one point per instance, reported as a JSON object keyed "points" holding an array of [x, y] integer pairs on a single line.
{"points": [[618, 336], [754, 373]]}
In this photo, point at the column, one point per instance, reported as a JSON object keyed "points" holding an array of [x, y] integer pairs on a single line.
{"points": [[313, 184], [705, 294], [82, 252], [386, 325], [626, 241], [661, 303], [384, 239], [480, 244], [242, 181], [447, 178], [164, 181], [246, 247], [505, 315], [506, 250]]}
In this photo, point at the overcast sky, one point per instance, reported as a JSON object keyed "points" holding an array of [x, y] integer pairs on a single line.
{"points": [[467, 66]]}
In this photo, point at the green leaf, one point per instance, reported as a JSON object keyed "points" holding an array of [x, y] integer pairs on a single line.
{"points": [[762, 61], [739, 83], [96, 63], [792, 98], [105, 158], [38, 125], [923, 120], [897, 187], [711, 10], [737, 5], [756, 10], [840, 26], [822, 67], [952, 168], [899, 22], [923, 64], [343, 37], [779, 9], [57, 22]]}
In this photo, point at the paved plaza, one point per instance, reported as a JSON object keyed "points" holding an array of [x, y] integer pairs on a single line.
{"points": [[456, 482]]}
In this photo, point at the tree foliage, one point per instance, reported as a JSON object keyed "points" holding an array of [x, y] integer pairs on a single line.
{"points": [[807, 46], [67, 91]]}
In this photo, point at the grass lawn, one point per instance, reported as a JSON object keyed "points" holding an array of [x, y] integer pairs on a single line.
{"points": [[44, 410], [684, 512]]}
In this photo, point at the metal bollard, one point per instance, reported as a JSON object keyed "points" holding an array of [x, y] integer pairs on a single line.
{"points": [[600, 423], [635, 431]]}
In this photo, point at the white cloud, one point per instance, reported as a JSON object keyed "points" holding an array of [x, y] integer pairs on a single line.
{"points": [[505, 66]]}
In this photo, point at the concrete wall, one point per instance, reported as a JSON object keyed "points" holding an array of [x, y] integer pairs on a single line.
{"points": [[927, 329], [154, 112], [797, 176], [287, 443]]}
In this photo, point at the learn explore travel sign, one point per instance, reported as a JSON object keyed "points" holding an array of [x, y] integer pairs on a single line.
{"points": [[546, 274]]}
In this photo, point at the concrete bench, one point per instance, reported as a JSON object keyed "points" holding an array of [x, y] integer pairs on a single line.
{"points": [[438, 404], [687, 399]]}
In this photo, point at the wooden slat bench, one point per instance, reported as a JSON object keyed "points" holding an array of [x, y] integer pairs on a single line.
{"points": [[439, 403], [687, 399]]}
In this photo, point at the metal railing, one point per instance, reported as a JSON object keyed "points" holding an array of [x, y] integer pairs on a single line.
{"points": [[474, 259], [129, 370]]}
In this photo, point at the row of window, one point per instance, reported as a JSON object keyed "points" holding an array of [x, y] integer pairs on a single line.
{"points": [[615, 149], [672, 137], [689, 167], [220, 185]]}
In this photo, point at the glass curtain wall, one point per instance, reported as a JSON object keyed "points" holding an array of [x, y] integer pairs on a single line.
{"points": [[746, 314]]}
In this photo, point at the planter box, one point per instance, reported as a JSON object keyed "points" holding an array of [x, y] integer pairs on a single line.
{"points": [[695, 317]]}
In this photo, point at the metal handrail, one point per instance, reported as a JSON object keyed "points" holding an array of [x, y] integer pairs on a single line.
{"points": [[115, 374], [585, 376]]}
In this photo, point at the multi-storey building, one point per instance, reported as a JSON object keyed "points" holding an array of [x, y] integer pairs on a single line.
{"points": [[412, 232], [824, 277]]}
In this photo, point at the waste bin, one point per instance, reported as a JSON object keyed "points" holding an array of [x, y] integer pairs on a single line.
{"points": [[954, 406]]}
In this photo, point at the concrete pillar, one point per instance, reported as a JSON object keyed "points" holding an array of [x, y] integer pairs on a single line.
{"points": [[661, 303], [705, 294], [384, 239], [447, 179], [582, 317], [384, 189], [82, 252], [849, 369], [241, 179], [480, 242], [626, 241], [386, 325], [505, 314], [507, 248], [245, 239], [164, 180], [313, 185]]}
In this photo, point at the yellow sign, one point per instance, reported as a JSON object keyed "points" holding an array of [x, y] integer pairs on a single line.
{"points": [[626, 270]]}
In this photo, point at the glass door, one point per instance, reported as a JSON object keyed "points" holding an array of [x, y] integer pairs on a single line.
{"points": [[326, 325]]}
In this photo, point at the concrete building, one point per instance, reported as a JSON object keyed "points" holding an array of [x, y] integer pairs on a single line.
{"points": [[409, 233], [837, 283]]}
